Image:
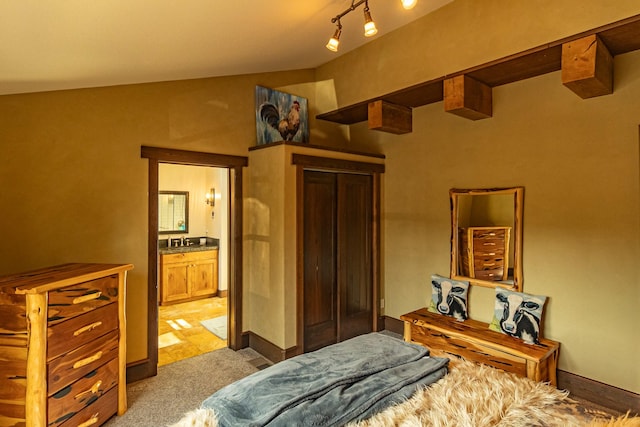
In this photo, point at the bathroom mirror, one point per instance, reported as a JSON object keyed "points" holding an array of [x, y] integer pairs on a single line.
{"points": [[486, 236], [173, 212]]}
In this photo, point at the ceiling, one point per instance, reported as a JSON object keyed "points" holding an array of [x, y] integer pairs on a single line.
{"points": [[66, 44]]}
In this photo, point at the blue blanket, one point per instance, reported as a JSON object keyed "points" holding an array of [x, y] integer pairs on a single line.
{"points": [[345, 382]]}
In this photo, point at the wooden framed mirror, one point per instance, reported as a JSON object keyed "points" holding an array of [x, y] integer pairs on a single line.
{"points": [[173, 212], [486, 236]]}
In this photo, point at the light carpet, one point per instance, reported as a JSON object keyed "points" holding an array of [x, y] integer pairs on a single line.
{"points": [[217, 326], [181, 387]]}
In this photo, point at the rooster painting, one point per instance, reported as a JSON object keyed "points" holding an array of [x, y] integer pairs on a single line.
{"points": [[280, 117], [288, 126]]}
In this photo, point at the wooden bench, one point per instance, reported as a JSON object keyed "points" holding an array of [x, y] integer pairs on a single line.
{"points": [[474, 341]]}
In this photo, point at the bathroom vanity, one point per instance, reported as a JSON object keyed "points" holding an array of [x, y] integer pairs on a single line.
{"points": [[188, 273]]}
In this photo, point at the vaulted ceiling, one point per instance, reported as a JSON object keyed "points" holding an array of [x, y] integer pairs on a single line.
{"points": [[51, 44]]}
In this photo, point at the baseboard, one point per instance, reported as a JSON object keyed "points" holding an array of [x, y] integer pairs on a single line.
{"points": [[393, 325], [139, 370], [269, 350], [603, 394]]}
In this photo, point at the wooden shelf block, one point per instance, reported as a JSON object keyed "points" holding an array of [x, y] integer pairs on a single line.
{"points": [[620, 37], [468, 98], [587, 67], [387, 117]]}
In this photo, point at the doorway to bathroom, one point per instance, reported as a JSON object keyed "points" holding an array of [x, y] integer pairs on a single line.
{"points": [[193, 252], [234, 166]]}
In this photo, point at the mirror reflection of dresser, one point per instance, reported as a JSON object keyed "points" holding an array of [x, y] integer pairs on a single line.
{"points": [[486, 236], [484, 252]]}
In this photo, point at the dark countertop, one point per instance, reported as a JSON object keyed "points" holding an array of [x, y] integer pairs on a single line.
{"points": [[192, 248]]}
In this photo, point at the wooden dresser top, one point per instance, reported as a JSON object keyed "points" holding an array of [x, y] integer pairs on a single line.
{"points": [[46, 279]]}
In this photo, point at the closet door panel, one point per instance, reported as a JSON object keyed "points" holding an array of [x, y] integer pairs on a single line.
{"points": [[320, 310], [354, 221]]}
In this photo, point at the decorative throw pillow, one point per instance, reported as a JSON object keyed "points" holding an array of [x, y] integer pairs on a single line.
{"points": [[449, 297], [518, 314]]}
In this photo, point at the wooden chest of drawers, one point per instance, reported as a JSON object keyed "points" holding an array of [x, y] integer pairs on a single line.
{"points": [[62, 345], [485, 252]]}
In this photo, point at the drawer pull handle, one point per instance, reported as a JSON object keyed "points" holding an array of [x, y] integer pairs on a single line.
{"points": [[85, 298], [91, 421], [87, 328], [83, 362], [93, 390]]}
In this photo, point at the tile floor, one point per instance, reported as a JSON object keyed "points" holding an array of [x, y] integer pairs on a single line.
{"points": [[180, 334]]}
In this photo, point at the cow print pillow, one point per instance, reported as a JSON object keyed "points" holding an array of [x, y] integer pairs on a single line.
{"points": [[449, 297], [518, 314]]}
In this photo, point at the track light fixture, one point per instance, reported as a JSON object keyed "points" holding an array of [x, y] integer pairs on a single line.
{"points": [[369, 26], [334, 41], [409, 4]]}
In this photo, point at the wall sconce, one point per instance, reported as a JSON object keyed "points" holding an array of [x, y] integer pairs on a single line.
{"points": [[210, 197]]}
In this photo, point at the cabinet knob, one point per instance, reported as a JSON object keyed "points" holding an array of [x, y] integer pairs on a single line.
{"points": [[85, 298], [91, 421], [87, 328], [93, 390], [86, 361]]}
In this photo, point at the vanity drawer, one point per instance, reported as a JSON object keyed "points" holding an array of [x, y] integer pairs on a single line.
{"points": [[72, 301], [74, 397], [188, 256], [97, 413], [82, 329], [78, 363]]}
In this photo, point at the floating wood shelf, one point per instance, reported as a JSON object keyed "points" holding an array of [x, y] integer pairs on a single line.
{"points": [[619, 37]]}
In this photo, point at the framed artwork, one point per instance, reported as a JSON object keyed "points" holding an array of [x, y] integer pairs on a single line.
{"points": [[280, 117]]}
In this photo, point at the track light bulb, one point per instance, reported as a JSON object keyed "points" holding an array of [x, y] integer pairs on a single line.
{"points": [[369, 26], [409, 4], [334, 41]]}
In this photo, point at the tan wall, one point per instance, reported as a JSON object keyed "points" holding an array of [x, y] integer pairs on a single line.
{"points": [[74, 188], [461, 35], [577, 159], [73, 184]]}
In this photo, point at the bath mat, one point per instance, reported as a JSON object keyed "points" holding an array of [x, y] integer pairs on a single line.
{"points": [[217, 326]]}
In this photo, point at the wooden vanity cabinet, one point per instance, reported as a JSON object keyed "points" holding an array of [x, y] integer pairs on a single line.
{"points": [[188, 275], [63, 345]]}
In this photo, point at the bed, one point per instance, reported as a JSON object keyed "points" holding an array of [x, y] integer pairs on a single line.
{"points": [[378, 380]]}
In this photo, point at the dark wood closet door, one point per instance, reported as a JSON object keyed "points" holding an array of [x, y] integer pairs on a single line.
{"points": [[320, 286], [338, 283], [354, 255]]}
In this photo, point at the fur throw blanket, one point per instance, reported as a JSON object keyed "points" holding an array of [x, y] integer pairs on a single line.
{"points": [[473, 395]]}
